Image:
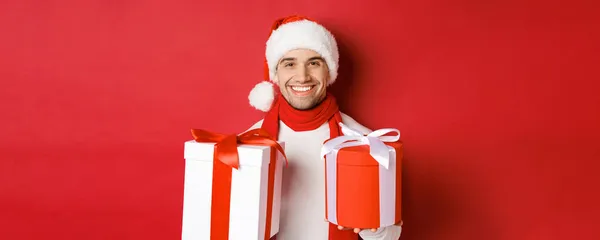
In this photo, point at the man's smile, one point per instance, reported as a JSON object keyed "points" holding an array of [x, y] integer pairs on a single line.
{"points": [[302, 90]]}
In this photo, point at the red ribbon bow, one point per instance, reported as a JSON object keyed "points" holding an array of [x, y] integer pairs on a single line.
{"points": [[226, 145]]}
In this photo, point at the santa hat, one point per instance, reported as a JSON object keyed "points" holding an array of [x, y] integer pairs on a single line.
{"points": [[289, 33]]}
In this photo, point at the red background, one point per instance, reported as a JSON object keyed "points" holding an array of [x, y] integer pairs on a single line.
{"points": [[497, 102]]}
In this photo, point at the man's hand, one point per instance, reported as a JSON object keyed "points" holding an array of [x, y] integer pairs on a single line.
{"points": [[357, 230]]}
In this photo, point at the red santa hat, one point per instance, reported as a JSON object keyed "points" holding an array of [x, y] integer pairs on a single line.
{"points": [[289, 33]]}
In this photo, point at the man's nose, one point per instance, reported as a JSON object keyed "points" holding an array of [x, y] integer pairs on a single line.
{"points": [[302, 75]]}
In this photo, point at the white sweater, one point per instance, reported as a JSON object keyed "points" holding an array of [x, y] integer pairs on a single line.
{"points": [[303, 188]]}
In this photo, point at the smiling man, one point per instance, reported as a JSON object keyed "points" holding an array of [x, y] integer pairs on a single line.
{"points": [[302, 76], [302, 61]]}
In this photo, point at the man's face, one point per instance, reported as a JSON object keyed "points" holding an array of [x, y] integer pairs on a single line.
{"points": [[302, 76]]}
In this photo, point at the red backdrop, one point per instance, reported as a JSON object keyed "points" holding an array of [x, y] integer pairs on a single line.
{"points": [[497, 102]]}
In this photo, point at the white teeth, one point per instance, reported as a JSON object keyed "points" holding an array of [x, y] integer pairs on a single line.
{"points": [[301, 89]]}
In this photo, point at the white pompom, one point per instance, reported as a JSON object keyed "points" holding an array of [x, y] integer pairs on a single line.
{"points": [[262, 95]]}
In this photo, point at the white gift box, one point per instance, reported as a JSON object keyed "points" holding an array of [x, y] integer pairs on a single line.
{"points": [[249, 188]]}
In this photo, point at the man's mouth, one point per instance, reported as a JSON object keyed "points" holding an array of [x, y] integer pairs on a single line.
{"points": [[302, 90]]}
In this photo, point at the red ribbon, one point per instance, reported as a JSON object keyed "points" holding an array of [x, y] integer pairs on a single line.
{"points": [[226, 157]]}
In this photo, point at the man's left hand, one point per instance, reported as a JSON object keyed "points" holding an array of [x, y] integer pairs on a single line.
{"points": [[357, 230]]}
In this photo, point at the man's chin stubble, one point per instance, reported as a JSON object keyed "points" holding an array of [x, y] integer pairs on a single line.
{"points": [[306, 106]]}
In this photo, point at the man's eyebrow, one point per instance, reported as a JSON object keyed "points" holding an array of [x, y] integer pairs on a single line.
{"points": [[287, 59], [294, 59], [316, 58]]}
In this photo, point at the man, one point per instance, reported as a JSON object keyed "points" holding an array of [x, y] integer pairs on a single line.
{"points": [[302, 60]]}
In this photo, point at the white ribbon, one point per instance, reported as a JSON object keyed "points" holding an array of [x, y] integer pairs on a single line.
{"points": [[375, 140]]}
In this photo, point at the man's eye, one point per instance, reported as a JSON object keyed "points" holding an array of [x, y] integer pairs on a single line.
{"points": [[288, 65], [315, 63]]}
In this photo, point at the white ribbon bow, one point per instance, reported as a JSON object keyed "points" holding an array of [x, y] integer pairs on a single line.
{"points": [[378, 150]]}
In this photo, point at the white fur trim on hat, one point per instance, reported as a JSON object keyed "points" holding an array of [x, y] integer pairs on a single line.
{"points": [[302, 34], [262, 95]]}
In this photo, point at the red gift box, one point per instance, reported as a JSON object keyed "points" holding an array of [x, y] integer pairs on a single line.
{"points": [[363, 179]]}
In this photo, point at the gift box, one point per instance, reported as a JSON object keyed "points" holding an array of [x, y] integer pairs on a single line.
{"points": [[363, 178], [232, 186]]}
